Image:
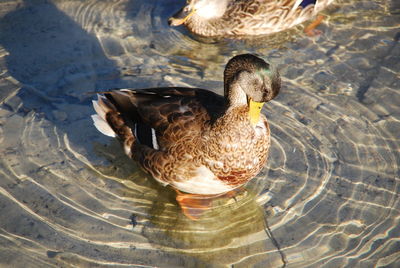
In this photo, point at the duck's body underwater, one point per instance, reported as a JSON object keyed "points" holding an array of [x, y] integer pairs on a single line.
{"points": [[193, 139]]}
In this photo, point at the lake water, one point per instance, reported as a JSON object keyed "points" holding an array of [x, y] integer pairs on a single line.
{"points": [[69, 197]]}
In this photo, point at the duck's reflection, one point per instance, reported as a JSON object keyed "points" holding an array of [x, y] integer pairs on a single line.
{"points": [[232, 230], [227, 217]]}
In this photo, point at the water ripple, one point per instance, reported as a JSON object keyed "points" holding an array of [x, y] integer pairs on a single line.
{"points": [[328, 196]]}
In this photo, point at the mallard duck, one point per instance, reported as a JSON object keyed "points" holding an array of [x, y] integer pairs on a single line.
{"points": [[192, 139], [212, 18]]}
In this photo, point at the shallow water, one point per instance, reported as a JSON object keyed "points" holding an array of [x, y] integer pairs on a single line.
{"points": [[328, 197]]}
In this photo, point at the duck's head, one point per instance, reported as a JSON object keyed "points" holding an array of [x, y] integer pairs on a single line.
{"points": [[202, 9], [249, 80]]}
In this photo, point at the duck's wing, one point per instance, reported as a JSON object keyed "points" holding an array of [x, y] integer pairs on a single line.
{"points": [[150, 113]]}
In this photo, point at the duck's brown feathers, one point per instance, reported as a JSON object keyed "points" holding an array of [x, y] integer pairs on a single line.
{"points": [[189, 133], [254, 17], [193, 139]]}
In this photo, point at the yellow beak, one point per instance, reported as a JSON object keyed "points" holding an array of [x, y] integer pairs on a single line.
{"points": [[254, 111]]}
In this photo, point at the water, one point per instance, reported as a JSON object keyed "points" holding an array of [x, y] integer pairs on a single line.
{"points": [[328, 197]]}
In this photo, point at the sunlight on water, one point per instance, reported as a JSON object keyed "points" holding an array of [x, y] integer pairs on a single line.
{"points": [[328, 197]]}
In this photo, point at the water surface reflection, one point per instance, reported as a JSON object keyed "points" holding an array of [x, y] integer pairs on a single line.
{"points": [[68, 196]]}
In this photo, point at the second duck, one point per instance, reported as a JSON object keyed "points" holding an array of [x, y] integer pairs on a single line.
{"points": [[213, 18]]}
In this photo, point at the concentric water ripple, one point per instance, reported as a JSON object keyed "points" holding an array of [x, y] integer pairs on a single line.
{"points": [[328, 196]]}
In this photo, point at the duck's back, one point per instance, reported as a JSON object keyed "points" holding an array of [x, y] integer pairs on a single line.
{"points": [[257, 17], [266, 16], [162, 117]]}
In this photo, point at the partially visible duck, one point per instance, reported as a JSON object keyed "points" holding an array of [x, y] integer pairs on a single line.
{"points": [[213, 18]]}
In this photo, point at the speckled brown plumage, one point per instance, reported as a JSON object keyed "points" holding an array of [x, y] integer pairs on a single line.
{"points": [[198, 139], [245, 17]]}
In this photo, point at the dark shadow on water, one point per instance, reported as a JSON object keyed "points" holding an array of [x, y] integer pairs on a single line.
{"points": [[57, 63]]}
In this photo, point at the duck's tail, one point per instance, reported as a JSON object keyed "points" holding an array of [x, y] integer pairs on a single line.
{"points": [[109, 122], [102, 106]]}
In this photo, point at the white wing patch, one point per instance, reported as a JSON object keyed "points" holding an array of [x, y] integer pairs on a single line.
{"points": [[154, 139], [204, 182]]}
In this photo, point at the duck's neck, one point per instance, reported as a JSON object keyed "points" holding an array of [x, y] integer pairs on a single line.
{"points": [[237, 109], [236, 96]]}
